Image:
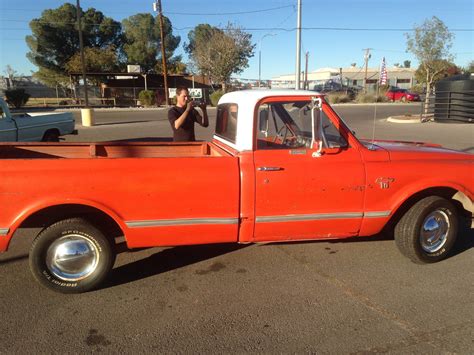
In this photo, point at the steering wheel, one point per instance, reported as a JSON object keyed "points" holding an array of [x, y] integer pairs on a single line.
{"points": [[285, 136]]}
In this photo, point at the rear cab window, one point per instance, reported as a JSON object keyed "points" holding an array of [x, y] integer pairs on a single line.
{"points": [[226, 121]]}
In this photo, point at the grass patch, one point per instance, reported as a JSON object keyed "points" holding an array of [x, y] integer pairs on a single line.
{"points": [[338, 98]]}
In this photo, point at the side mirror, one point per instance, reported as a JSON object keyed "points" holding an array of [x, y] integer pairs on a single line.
{"points": [[263, 120]]}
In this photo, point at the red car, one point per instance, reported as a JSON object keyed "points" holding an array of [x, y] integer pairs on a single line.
{"points": [[397, 94]]}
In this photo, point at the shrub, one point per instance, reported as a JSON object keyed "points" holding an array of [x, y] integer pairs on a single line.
{"points": [[147, 97], [338, 98], [368, 98], [17, 97], [215, 96], [418, 88]]}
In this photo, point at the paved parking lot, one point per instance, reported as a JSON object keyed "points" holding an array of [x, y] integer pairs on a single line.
{"points": [[352, 296]]}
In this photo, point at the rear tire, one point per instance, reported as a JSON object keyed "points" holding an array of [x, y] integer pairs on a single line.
{"points": [[71, 256], [403, 99], [428, 230], [51, 136]]}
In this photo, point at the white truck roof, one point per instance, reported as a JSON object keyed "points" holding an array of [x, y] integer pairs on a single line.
{"points": [[246, 101]]}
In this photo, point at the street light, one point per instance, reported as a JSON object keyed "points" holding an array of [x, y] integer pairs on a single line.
{"points": [[260, 55]]}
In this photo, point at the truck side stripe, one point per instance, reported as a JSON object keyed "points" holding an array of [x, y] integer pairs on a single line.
{"points": [[42, 125], [262, 219], [180, 222], [321, 216], [4, 231], [377, 214]]}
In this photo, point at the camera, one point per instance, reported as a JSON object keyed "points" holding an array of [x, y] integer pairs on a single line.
{"points": [[196, 102]]}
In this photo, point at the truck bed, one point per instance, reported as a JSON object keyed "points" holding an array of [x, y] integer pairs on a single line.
{"points": [[108, 150]]}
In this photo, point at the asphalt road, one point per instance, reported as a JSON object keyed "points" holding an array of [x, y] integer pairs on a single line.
{"points": [[355, 296]]}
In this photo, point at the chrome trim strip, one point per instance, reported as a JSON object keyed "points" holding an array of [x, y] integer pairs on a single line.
{"points": [[43, 124], [308, 217], [320, 216], [4, 231], [376, 214], [180, 222], [8, 130]]}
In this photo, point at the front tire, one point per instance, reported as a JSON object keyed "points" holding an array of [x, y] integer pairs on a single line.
{"points": [[428, 230], [71, 256]]}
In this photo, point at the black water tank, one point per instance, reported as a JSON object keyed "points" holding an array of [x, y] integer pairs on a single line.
{"points": [[454, 99]]}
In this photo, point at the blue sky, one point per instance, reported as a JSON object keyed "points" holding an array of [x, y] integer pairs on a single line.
{"points": [[327, 48]]}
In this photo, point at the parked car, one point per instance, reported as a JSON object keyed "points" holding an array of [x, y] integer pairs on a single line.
{"points": [[34, 127], [336, 88], [397, 94]]}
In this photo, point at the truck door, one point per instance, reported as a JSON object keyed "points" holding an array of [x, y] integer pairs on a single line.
{"points": [[30, 128], [8, 131], [301, 194]]}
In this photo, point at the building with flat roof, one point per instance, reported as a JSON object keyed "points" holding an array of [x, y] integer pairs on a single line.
{"points": [[352, 77]]}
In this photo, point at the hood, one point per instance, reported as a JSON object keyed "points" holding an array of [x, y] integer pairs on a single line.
{"points": [[403, 150]]}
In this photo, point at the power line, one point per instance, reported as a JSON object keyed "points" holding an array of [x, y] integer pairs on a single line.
{"points": [[291, 29], [190, 13], [229, 13]]}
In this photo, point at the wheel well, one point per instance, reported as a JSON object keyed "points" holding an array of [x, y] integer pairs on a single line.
{"points": [[101, 220], [52, 130], [460, 200]]}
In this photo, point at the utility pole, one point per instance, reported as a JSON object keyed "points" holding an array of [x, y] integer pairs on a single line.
{"points": [[298, 48], [81, 49], [366, 59], [260, 56], [163, 52], [305, 87]]}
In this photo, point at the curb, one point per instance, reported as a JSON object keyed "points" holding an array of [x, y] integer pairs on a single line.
{"points": [[403, 120]]}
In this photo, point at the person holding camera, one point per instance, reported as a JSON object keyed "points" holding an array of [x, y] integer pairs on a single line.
{"points": [[183, 116]]}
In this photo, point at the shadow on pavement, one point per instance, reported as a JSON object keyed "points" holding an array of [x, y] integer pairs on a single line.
{"points": [[13, 259], [464, 241], [167, 260]]}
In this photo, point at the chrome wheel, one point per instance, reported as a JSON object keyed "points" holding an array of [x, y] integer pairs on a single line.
{"points": [[434, 231], [72, 257]]}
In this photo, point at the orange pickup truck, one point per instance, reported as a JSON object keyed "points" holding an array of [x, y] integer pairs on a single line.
{"points": [[282, 166]]}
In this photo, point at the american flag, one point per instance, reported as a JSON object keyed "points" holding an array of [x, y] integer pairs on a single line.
{"points": [[383, 73]]}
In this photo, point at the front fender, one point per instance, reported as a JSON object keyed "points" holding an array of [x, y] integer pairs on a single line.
{"points": [[422, 185]]}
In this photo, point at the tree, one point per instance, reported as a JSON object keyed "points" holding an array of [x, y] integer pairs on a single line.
{"points": [[219, 53], [407, 63], [54, 40], [470, 68], [430, 43], [53, 79], [441, 68], [174, 65], [201, 33], [143, 41], [11, 74]]}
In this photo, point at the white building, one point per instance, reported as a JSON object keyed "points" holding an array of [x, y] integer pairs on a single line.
{"points": [[352, 77]]}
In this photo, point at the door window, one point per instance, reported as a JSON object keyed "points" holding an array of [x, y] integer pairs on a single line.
{"points": [[288, 125]]}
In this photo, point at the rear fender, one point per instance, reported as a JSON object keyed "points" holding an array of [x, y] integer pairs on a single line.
{"points": [[31, 210]]}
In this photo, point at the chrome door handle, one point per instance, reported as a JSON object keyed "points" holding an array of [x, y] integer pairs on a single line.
{"points": [[269, 168]]}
